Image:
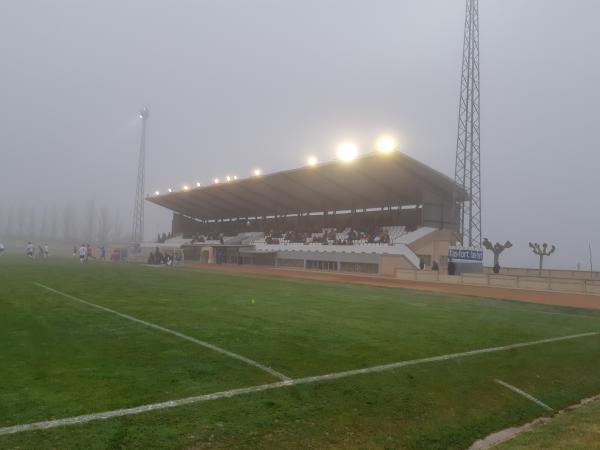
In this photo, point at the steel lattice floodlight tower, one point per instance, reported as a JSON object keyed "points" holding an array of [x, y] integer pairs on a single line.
{"points": [[137, 227], [467, 170]]}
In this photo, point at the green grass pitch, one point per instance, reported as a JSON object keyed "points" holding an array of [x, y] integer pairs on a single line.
{"points": [[60, 358]]}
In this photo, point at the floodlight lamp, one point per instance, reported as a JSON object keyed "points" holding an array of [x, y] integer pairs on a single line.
{"points": [[198, 184], [347, 151], [156, 193], [170, 190], [386, 144], [312, 161], [257, 172], [186, 187]]}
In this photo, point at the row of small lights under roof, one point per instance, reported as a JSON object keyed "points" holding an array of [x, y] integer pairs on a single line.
{"points": [[346, 152]]}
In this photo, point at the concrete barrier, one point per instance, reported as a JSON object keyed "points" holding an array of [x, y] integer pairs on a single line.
{"points": [[565, 285], [404, 274], [536, 283], [503, 281], [592, 287], [546, 273], [476, 279], [451, 279], [550, 284], [427, 276]]}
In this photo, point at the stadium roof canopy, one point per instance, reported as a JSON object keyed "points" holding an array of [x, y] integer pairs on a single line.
{"points": [[370, 181]]}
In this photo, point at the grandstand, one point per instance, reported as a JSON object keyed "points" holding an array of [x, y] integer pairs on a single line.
{"points": [[374, 215]]}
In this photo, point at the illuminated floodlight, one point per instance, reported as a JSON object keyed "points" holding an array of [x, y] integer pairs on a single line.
{"points": [[170, 190], [312, 161], [186, 187], [228, 178], [235, 177], [257, 172], [198, 184], [347, 151], [386, 144], [216, 181], [156, 193]]}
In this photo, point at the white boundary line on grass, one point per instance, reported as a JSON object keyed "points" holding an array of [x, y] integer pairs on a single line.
{"points": [[524, 394], [174, 333], [265, 387]]}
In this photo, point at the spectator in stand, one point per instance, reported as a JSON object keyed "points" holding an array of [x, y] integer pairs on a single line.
{"points": [[351, 236], [385, 238]]}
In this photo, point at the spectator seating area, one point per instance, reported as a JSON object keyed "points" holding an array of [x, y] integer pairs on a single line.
{"points": [[348, 236], [387, 235]]}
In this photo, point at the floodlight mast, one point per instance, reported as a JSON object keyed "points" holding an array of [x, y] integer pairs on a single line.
{"points": [[137, 227], [467, 169]]}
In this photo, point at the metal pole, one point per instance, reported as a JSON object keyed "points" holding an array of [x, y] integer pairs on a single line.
{"points": [[137, 227]]}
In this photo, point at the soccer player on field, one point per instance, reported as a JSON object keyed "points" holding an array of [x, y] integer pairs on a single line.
{"points": [[82, 253], [29, 249]]}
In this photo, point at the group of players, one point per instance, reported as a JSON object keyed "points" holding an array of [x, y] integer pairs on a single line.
{"points": [[85, 252], [42, 252]]}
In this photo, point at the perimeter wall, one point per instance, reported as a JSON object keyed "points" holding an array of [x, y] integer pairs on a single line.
{"points": [[543, 283]]}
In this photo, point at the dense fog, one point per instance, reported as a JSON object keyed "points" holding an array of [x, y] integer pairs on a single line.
{"points": [[236, 85]]}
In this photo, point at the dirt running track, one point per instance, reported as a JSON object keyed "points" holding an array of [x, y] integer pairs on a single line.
{"points": [[547, 298]]}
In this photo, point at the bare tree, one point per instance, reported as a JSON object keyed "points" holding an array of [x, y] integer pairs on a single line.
{"points": [[541, 251], [21, 220], [104, 224], [496, 249], [53, 224], [10, 219], [31, 223], [42, 230], [117, 228], [69, 224], [90, 221]]}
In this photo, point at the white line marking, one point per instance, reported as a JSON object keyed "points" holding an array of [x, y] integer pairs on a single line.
{"points": [[524, 394], [265, 387], [174, 333]]}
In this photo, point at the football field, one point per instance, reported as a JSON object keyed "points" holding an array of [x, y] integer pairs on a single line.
{"points": [[106, 355]]}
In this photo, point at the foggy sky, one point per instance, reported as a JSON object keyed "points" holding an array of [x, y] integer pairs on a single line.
{"points": [[234, 85]]}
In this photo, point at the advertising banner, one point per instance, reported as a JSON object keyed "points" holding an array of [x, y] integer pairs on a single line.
{"points": [[465, 254]]}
